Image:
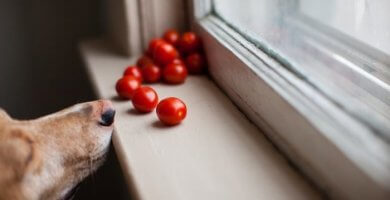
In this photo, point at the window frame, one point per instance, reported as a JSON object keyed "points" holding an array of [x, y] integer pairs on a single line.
{"points": [[131, 24], [291, 113]]}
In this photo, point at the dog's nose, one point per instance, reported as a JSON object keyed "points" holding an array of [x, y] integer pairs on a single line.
{"points": [[107, 117]]}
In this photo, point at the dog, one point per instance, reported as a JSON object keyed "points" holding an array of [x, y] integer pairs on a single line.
{"points": [[46, 158]]}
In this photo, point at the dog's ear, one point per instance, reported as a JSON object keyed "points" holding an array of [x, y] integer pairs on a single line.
{"points": [[18, 156]]}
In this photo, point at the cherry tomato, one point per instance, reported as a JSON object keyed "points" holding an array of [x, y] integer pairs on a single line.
{"points": [[165, 53], [195, 63], [171, 111], [189, 42], [151, 73], [133, 71], [153, 44], [126, 86], [172, 37], [144, 60], [145, 99], [175, 73], [177, 61]]}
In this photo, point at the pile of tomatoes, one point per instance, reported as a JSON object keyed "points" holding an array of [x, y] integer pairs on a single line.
{"points": [[169, 59]]}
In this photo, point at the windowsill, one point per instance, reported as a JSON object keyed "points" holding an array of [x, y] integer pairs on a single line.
{"points": [[216, 153]]}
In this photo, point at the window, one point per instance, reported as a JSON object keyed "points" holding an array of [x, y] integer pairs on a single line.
{"points": [[315, 76], [315, 46]]}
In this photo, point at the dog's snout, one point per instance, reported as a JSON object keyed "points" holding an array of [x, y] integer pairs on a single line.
{"points": [[107, 117]]}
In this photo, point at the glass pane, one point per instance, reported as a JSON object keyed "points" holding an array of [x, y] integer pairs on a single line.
{"points": [[341, 47], [367, 21]]}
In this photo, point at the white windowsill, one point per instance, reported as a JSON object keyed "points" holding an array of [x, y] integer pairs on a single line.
{"points": [[216, 153]]}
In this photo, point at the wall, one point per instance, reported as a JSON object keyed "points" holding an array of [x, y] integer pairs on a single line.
{"points": [[40, 69]]}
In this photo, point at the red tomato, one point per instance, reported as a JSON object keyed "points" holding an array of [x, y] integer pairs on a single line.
{"points": [[195, 63], [172, 37], [133, 71], [165, 53], [145, 99], [151, 73], [189, 42], [144, 60], [178, 61], [153, 44], [175, 73], [171, 111], [126, 86]]}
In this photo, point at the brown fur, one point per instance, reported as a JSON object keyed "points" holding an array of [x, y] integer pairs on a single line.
{"points": [[46, 157]]}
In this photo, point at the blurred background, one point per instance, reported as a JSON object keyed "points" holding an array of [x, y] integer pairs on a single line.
{"points": [[41, 70], [40, 67]]}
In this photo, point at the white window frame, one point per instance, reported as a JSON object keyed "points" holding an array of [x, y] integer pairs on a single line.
{"points": [[307, 126]]}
